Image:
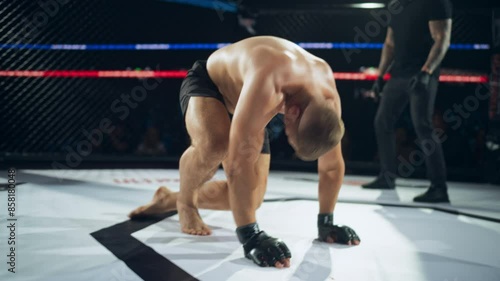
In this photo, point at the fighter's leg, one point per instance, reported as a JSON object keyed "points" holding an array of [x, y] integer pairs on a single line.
{"points": [[208, 124], [163, 201], [212, 195], [216, 196]]}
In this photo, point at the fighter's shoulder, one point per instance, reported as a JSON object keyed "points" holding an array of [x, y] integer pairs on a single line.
{"points": [[323, 66], [263, 56], [265, 63]]}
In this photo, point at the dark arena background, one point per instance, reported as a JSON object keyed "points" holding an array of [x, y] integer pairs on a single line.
{"points": [[83, 58], [94, 85]]}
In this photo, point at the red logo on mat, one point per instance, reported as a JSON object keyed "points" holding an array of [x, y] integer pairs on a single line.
{"points": [[144, 180]]}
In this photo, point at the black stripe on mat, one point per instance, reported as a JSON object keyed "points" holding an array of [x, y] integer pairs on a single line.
{"points": [[436, 208], [141, 259], [151, 266]]}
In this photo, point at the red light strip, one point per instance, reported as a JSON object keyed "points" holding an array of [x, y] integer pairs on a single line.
{"points": [[464, 79], [182, 74], [95, 73], [442, 78]]}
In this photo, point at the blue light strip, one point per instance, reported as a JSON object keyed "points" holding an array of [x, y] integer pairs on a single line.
{"points": [[219, 5], [208, 46]]}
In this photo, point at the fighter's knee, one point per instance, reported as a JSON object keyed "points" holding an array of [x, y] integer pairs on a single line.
{"points": [[216, 148]]}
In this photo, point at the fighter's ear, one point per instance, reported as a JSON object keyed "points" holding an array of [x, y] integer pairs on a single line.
{"points": [[292, 113]]}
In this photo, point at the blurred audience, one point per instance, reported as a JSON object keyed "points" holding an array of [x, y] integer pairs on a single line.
{"points": [[119, 139], [151, 144]]}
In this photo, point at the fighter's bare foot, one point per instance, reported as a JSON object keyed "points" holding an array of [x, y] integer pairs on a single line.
{"points": [[190, 220], [163, 201]]}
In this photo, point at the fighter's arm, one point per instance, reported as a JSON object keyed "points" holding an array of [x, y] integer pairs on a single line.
{"points": [[441, 33], [245, 144], [255, 108], [331, 170], [387, 52]]}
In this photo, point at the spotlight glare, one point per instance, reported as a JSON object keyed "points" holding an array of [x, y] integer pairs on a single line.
{"points": [[368, 5]]}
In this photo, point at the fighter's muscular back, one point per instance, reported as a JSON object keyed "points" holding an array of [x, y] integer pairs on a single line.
{"points": [[292, 67]]}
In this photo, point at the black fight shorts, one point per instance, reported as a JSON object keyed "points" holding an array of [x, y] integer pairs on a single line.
{"points": [[198, 84]]}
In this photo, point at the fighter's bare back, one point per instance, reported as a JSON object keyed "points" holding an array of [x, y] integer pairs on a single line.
{"points": [[293, 67]]}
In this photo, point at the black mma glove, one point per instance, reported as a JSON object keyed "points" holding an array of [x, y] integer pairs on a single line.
{"points": [[378, 86], [340, 234], [261, 248], [420, 82]]}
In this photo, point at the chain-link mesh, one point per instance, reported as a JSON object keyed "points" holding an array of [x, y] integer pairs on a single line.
{"points": [[45, 115]]}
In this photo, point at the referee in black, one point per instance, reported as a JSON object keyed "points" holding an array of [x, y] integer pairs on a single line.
{"points": [[417, 39]]}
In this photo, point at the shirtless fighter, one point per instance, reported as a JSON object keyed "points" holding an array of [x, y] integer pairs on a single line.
{"points": [[253, 80]]}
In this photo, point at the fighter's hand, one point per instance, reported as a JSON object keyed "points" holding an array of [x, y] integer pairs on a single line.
{"points": [[261, 248], [265, 250], [331, 233], [340, 234]]}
